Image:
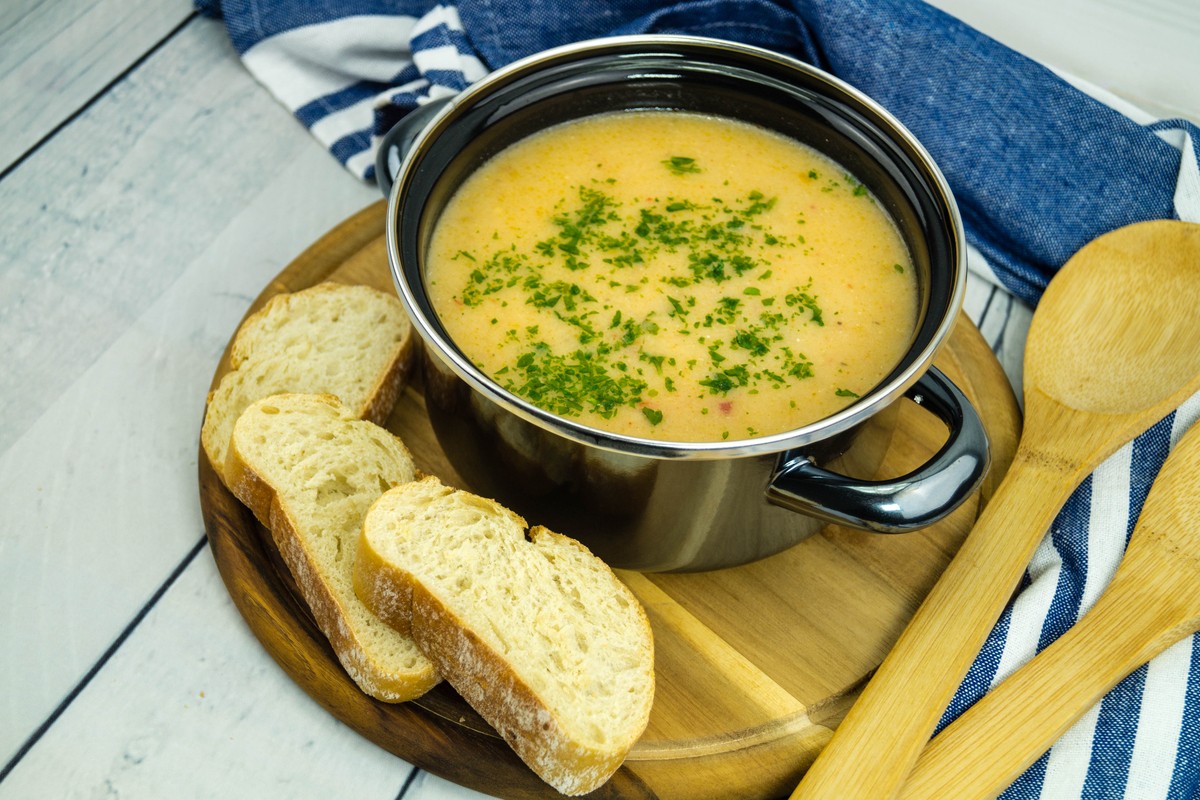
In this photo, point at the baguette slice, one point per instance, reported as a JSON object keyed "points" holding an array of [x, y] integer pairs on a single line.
{"points": [[354, 342], [309, 469], [537, 634]]}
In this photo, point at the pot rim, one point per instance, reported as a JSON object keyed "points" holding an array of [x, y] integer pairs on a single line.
{"points": [[900, 380]]}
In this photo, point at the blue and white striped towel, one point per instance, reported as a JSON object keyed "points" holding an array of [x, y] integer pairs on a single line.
{"points": [[1040, 165]]}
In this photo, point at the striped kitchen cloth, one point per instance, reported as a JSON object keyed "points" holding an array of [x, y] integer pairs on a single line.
{"points": [[1039, 163]]}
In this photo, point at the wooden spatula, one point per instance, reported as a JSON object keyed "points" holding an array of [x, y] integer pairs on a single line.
{"points": [[1152, 602]]}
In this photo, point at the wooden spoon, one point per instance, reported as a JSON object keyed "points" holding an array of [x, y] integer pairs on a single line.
{"points": [[1152, 602], [1113, 347]]}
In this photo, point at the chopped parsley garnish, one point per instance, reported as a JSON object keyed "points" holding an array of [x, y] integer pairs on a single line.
{"points": [[681, 165], [651, 414], [573, 383], [805, 300], [612, 352]]}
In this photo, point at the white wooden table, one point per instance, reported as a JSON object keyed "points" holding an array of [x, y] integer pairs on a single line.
{"points": [[149, 188]]}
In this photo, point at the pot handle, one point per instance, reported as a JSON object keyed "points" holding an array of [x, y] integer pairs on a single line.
{"points": [[920, 498], [395, 144]]}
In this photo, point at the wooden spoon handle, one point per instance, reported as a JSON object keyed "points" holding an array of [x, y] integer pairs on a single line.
{"points": [[874, 748], [983, 751]]}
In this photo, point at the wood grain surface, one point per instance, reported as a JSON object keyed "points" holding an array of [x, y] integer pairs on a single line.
{"points": [[1151, 603], [755, 664], [55, 57]]}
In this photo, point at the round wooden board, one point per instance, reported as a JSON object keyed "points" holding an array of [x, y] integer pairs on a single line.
{"points": [[755, 664]]}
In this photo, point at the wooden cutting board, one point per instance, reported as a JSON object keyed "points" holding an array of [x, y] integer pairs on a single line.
{"points": [[755, 664]]}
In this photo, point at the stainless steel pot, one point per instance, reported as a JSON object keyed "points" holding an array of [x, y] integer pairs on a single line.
{"points": [[652, 505]]}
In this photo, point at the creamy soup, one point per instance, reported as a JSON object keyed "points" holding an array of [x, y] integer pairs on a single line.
{"points": [[673, 276]]}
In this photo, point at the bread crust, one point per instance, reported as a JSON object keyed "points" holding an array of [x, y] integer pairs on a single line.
{"points": [[376, 406], [490, 686], [486, 679], [385, 590], [329, 613], [391, 384]]}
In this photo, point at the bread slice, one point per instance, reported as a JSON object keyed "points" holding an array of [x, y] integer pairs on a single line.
{"points": [[354, 342], [537, 634], [309, 469]]}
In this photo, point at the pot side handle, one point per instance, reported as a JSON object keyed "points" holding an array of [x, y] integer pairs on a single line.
{"points": [[898, 505], [395, 144]]}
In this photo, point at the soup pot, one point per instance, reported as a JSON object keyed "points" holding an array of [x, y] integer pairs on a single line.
{"points": [[657, 505]]}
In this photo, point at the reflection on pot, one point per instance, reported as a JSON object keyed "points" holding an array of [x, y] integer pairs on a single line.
{"points": [[635, 511]]}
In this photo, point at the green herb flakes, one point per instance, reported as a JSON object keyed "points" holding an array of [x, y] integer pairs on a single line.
{"points": [[681, 165], [655, 417]]}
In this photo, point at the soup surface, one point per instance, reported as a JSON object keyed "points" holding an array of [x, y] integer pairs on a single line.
{"points": [[673, 276]]}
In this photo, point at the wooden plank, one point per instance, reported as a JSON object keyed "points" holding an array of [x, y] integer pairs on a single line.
{"points": [[190, 707], [133, 242], [117, 207], [56, 55]]}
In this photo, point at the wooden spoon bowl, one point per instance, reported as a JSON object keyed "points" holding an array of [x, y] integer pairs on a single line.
{"points": [[1113, 347]]}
